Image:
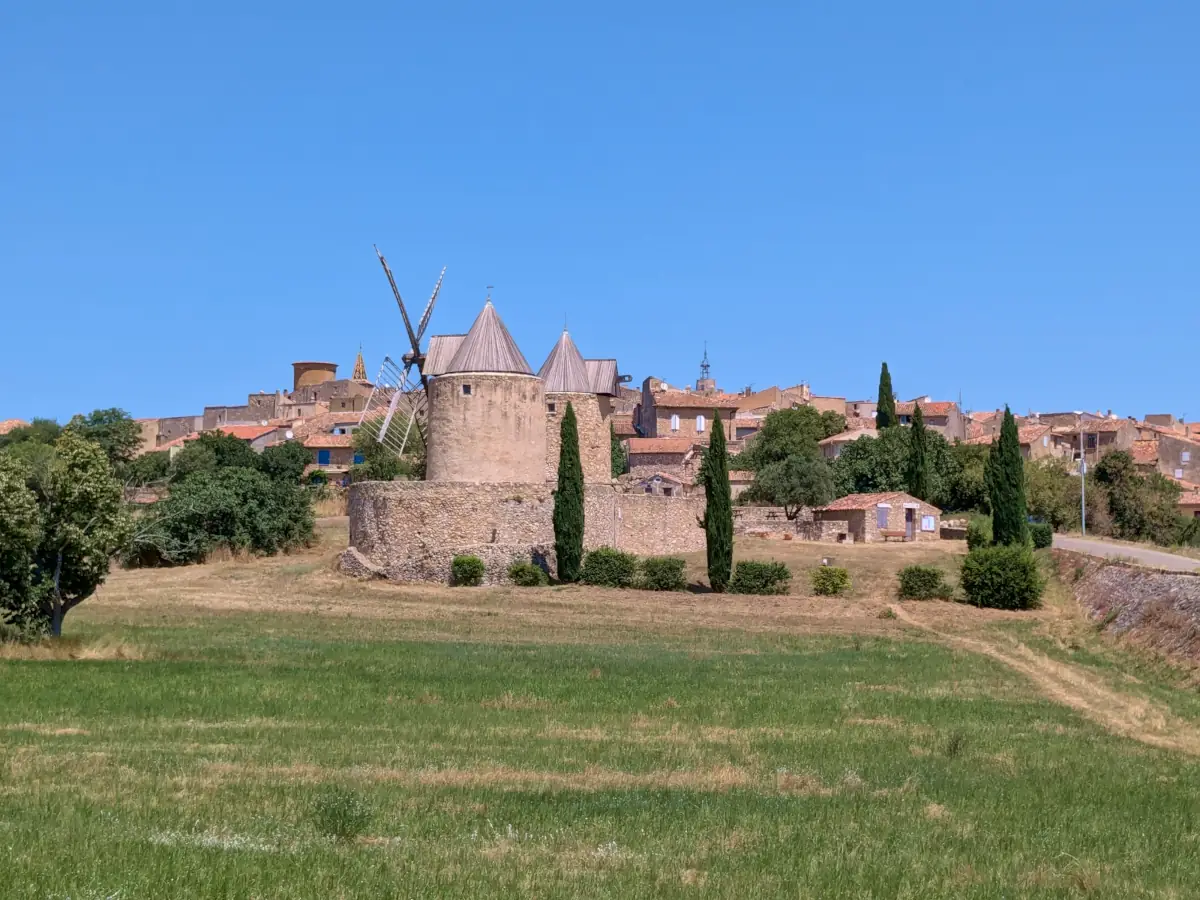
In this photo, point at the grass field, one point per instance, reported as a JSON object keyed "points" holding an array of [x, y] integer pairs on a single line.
{"points": [[569, 742]]}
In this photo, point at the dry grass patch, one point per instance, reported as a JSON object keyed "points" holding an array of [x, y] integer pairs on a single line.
{"points": [[509, 700], [104, 648]]}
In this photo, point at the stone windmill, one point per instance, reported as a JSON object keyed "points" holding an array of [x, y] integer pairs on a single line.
{"points": [[400, 394]]}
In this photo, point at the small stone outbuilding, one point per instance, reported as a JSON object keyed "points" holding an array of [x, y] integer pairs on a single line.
{"points": [[877, 517]]}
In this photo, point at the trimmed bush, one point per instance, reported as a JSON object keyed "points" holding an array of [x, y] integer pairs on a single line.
{"points": [[466, 571], [979, 534], [663, 573], [760, 578], [526, 574], [1002, 578], [923, 583], [1042, 534], [606, 567], [829, 581], [341, 814]]}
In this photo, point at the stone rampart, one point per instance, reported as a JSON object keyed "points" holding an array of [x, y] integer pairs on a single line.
{"points": [[412, 529]]}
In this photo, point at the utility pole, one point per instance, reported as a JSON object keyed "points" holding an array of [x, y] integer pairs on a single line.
{"points": [[1082, 481]]}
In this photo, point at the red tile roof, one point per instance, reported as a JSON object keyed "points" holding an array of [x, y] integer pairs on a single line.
{"points": [[623, 425], [846, 437], [9, 424], [325, 441], [868, 501], [984, 416], [177, 442], [685, 400], [245, 432], [933, 408], [856, 423], [1192, 498], [1026, 434], [660, 445], [1145, 452]]}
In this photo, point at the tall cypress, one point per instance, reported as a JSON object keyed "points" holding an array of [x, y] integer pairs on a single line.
{"points": [[1006, 485], [718, 509], [568, 501], [616, 452], [918, 457], [885, 408]]}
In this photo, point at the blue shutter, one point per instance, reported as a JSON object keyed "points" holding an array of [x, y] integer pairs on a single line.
{"points": [[322, 457]]}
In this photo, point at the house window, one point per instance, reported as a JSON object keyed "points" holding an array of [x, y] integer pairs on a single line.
{"points": [[466, 390], [675, 423], [699, 424], [1185, 456], [667, 492], [358, 459], [1179, 474], [1046, 441], [1091, 442], [550, 408], [881, 517], [322, 457]]}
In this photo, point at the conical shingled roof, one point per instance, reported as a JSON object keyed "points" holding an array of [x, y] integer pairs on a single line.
{"points": [[488, 347], [564, 370]]}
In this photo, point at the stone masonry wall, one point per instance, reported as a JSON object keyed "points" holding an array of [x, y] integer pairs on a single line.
{"points": [[595, 443], [411, 529]]}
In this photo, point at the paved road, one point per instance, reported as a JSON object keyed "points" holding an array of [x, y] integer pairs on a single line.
{"points": [[1142, 555]]}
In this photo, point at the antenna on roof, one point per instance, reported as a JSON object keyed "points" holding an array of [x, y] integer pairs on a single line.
{"points": [[489, 289]]}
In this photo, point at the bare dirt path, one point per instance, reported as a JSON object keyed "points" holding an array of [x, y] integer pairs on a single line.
{"points": [[1124, 714], [1144, 556]]}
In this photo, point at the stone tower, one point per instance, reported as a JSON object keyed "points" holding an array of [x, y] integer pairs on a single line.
{"points": [[487, 413], [566, 380]]}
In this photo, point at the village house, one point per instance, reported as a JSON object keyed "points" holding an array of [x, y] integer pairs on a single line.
{"points": [[685, 414], [649, 456], [332, 455], [1097, 436], [739, 481], [870, 518], [662, 484], [9, 424], [1178, 457], [942, 416], [832, 447], [1189, 504], [861, 409], [1036, 442], [1145, 454], [746, 427], [622, 424], [259, 437]]}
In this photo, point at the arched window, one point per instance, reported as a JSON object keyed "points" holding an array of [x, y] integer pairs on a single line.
{"points": [[699, 424], [675, 422]]}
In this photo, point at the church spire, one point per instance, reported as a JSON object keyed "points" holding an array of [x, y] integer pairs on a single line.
{"points": [[360, 368]]}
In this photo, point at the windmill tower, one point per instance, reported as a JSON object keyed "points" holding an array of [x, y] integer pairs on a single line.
{"points": [[400, 394]]}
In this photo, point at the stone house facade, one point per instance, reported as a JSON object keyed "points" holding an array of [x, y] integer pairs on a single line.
{"points": [[942, 416], [832, 447], [1179, 457], [1037, 442], [683, 414], [869, 518], [648, 456]]}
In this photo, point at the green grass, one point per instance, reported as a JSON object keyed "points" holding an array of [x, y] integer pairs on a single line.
{"points": [[785, 766]]}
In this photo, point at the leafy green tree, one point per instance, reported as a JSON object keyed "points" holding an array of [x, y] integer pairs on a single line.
{"points": [[114, 430], [20, 535], [284, 462], [871, 465], [885, 408], [234, 507], [966, 488], [83, 523], [148, 468], [617, 450], [1007, 486], [380, 462], [918, 460], [1143, 507], [213, 450], [794, 483], [789, 432], [568, 501], [1052, 493], [718, 508], [39, 431]]}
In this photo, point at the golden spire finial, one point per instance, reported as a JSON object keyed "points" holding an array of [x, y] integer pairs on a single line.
{"points": [[360, 369]]}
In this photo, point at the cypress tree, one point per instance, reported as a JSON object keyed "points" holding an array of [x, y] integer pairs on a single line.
{"points": [[885, 409], [718, 509], [568, 501], [918, 458], [1006, 485], [616, 451]]}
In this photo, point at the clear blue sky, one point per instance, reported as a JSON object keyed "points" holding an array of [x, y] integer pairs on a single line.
{"points": [[999, 199]]}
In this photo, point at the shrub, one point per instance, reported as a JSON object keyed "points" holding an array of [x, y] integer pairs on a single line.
{"points": [[979, 534], [1002, 578], [663, 573], [341, 814], [760, 578], [526, 574], [1042, 534], [923, 583], [607, 567], [466, 571], [829, 581]]}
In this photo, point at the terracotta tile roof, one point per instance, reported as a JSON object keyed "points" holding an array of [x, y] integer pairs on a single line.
{"points": [[326, 422], [1145, 452], [685, 400], [984, 416], [325, 441], [975, 430], [868, 501], [9, 424], [747, 422], [1094, 426], [177, 442], [847, 436], [1190, 498], [623, 425], [1026, 434], [933, 408], [245, 432], [660, 445]]}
